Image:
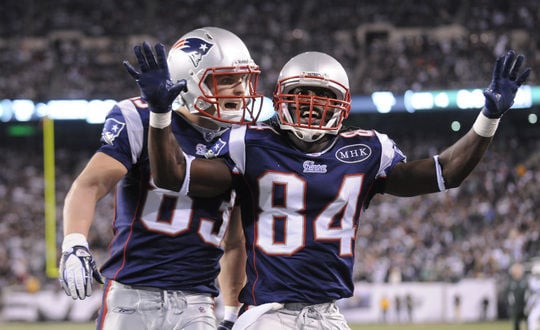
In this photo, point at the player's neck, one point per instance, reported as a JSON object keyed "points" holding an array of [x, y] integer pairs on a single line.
{"points": [[198, 120]]}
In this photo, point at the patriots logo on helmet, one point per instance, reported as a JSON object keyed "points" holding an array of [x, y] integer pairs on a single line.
{"points": [[195, 48]]}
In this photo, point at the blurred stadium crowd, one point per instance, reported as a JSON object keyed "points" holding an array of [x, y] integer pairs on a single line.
{"points": [[74, 49]]}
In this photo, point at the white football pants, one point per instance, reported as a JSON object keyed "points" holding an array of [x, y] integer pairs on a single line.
{"points": [[130, 308], [275, 316]]}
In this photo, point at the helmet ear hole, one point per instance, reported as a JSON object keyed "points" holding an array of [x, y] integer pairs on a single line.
{"points": [[200, 55], [314, 86]]}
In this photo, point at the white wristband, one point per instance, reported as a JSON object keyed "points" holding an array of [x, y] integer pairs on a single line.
{"points": [[438, 171], [71, 240], [485, 126], [160, 120], [230, 313]]}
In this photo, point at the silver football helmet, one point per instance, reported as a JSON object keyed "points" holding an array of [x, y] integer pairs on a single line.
{"points": [[212, 60], [312, 96]]}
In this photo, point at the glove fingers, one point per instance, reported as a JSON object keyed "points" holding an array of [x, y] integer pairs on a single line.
{"points": [[508, 63], [515, 68], [97, 276], [131, 70], [140, 58], [71, 275], [72, 286], [497, 68], [64, 283], [95, 272], [80, 283], [88, 285], [152, 65], [161, 56], [178, 87], [62, 275], [523, 77]]}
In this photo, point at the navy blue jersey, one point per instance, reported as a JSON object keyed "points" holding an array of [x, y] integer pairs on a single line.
{"points": [[161, 238], [300, 211]]}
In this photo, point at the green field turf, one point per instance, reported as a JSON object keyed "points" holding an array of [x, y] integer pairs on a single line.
{"points": [[503, 325]]}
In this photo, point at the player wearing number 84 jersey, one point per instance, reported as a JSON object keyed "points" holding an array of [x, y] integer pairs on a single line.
{"points": [[300, 210]]}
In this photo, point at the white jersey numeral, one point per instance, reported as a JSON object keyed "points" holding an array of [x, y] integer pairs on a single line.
{"points": [[173, 215], [345, 204], [288, 214]]}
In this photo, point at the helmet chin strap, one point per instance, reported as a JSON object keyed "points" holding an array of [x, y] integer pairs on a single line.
{"points": [[324, 142], [307, 136]]}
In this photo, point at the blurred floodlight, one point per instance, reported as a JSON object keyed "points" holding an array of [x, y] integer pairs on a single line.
{"points": [[384, 101]]}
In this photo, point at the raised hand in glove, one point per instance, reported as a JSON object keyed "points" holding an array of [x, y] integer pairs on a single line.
{"points": [[77, 267], [154, 79], [504, 84], [225, 325]]}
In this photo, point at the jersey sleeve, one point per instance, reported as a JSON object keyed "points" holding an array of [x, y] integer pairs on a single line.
{"points": [[122, 136], [390, 155], [231, 148]]}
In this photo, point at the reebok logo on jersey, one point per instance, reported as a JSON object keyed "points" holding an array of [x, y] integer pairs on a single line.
{"points": [[355, 153], [311, 167], [111, 130]]}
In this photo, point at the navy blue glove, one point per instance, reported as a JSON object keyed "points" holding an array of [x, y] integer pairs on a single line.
{"points": [[504, 84], [154, 80], [225, 325]]}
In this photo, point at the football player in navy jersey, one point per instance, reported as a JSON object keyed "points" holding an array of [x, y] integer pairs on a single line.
{"points": [[164, 258], [303, 181]]}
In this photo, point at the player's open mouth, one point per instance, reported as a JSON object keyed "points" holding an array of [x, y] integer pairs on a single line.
{"points": [[315, 117], [231, 105]]}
